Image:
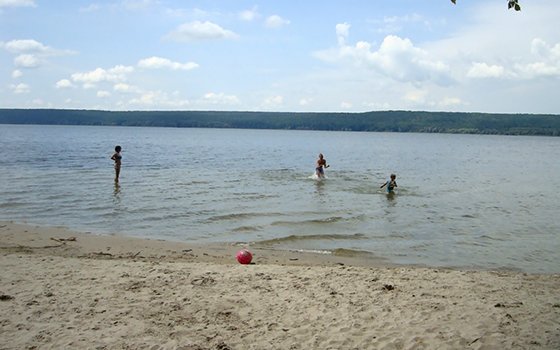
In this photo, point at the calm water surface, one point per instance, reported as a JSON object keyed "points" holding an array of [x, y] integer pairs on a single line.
{"points": [[463, 200]]}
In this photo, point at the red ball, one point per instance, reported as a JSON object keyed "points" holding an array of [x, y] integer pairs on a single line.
{"points": [[244, 256]]}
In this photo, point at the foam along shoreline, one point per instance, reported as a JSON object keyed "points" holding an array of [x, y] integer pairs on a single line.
{"points": [[63, 289]]}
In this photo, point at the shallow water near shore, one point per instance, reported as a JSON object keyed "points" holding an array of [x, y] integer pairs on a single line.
{"points": [[472, 201]]}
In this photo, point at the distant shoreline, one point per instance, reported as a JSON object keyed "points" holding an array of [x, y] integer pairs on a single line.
{"points": [[378, 121]]}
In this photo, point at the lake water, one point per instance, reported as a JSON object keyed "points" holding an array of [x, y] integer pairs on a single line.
{"points": [[469, 201]]}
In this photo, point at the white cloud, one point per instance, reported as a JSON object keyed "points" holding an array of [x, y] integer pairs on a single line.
{"points": [[31, 53], [416, 96], [249, 15], [149, 99], [126, 6], [159, 62], [427, 98], [90, 8], [25, 45], [27, 61], [342, 32], [183, 13], [396, 58], [538, 69], [491, 59], [497, 38], [450, 102], [63, 84], [483, 70], [346, 105], [103, 94], [123, 87], [41, 103], [273, 101], [197, 30], [121, 70], [20, 88], [115, 74], [542, 60], [402, 61], [377, 106], [94, 76], [395, 24], [135, 5], [220, 99], [160, 99], [276, 21], [547, 64], [17, 3], [540, 48]]}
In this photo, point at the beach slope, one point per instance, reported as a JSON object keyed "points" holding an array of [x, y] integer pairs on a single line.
{"points": [[62, 289]]}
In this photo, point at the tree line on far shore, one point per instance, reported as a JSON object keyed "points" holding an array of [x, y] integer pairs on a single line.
{"points": [[379, 121]]}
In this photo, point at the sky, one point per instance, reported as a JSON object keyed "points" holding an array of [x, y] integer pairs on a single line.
{"points": [[285, 56]]}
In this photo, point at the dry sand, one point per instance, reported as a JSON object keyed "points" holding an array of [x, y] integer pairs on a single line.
{"points": [[65, 290]]}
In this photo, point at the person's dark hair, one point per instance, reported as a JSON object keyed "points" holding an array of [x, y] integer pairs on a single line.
{"points": [[117, 148]]}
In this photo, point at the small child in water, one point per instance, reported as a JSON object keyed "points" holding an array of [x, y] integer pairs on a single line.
{"points": [[116, 157], [321, 164], [391, 184]]}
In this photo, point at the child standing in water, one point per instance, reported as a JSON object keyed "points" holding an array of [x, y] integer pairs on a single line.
{"points": [[321, 163], [116, 157], [391, 184]]}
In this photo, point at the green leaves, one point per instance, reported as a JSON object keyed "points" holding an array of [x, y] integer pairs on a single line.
{"points": [[514, 4], [511, 4]]}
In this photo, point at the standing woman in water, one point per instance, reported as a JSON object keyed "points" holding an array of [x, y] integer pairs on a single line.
{"points": [[116, 157]]}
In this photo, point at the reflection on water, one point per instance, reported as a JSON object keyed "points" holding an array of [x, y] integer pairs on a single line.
{"points": [[117, 191], [320, 188]]}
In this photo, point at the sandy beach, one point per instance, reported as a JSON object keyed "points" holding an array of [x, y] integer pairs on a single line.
{"points": [[68, 290]]}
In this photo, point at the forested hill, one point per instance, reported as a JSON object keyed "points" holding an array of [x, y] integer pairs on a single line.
{"points": [[392, 121]]}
